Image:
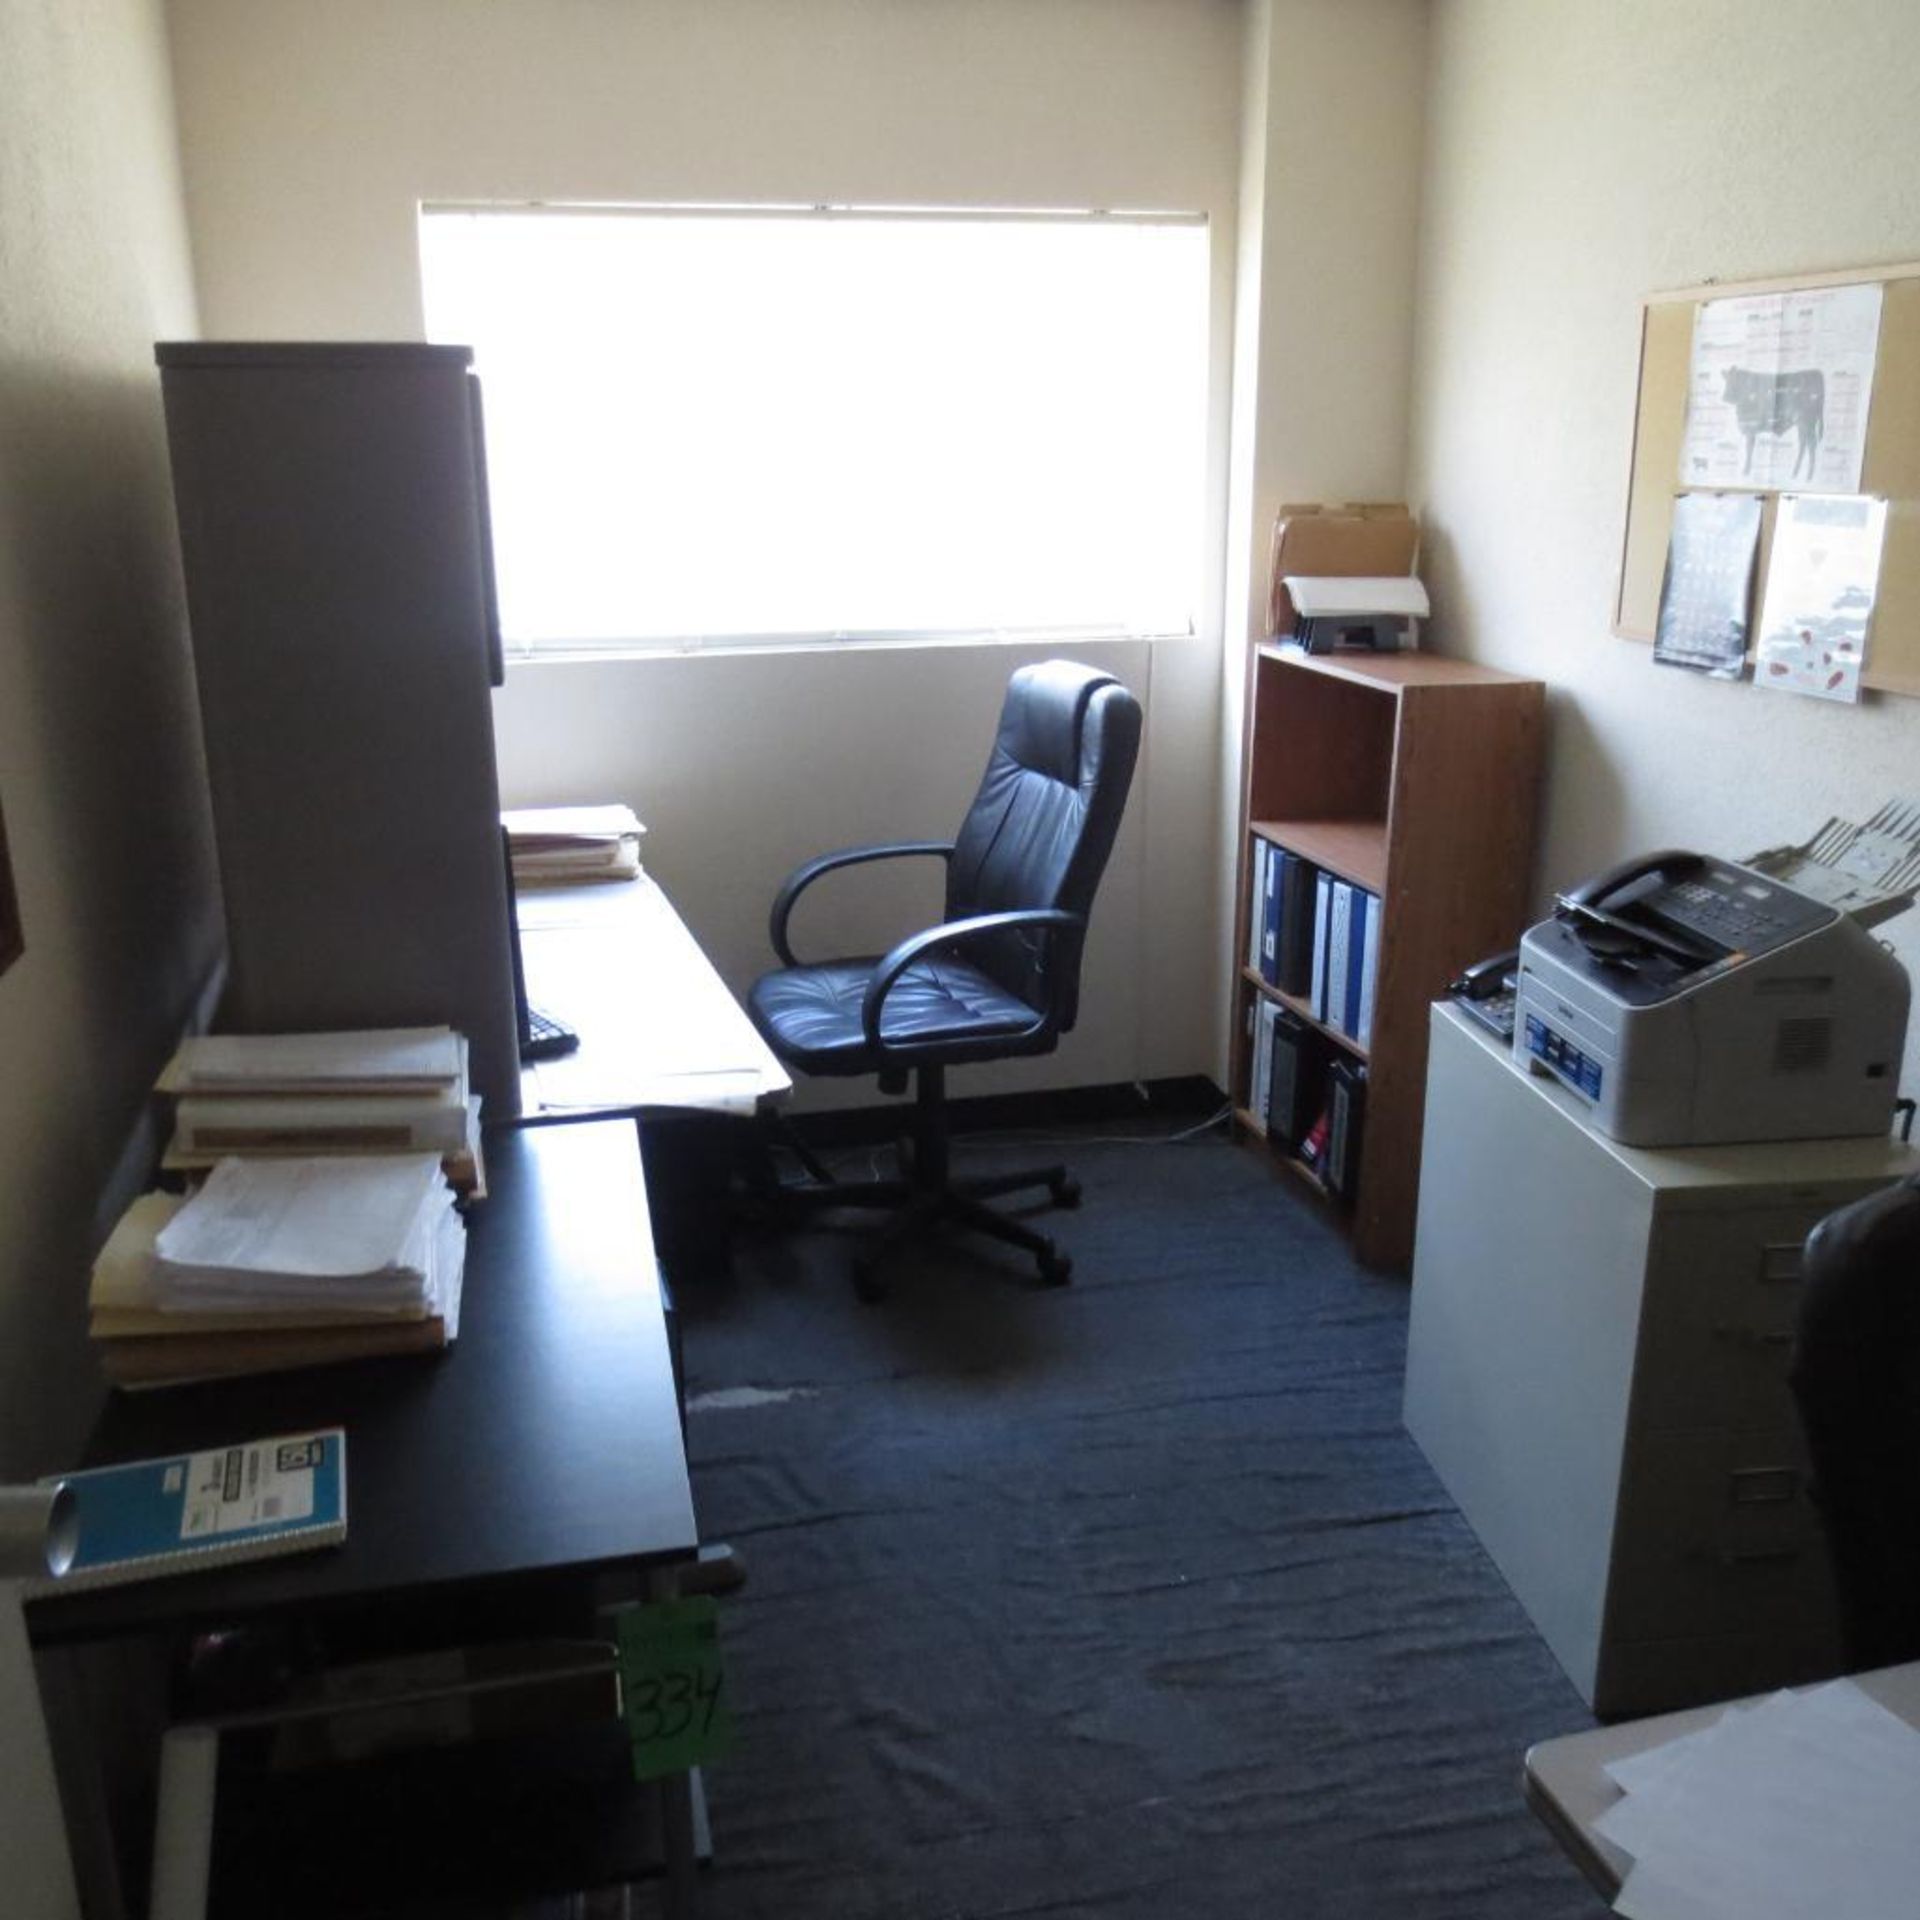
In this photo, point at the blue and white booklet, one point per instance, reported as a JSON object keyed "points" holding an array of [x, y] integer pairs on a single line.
{"points": [[193, 1511]]}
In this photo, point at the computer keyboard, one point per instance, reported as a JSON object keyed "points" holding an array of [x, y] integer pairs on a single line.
{"points": [[546, 1038]]}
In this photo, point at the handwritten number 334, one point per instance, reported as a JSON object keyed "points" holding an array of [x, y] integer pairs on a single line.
{"points": [[663, 1706]]}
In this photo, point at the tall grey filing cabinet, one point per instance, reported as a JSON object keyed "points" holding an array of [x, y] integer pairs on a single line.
{"points": [[1596, 1367], [333, 524]]}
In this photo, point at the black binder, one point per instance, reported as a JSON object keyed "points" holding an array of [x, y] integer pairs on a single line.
{"points": [[1346, 1109], [1296, 1079]]}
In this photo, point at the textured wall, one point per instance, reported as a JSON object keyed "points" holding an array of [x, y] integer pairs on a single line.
{"points": [[1579, 158], [100, 767]]}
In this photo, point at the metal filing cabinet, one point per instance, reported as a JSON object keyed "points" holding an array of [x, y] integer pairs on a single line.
{"points": [[1596, 1367]]}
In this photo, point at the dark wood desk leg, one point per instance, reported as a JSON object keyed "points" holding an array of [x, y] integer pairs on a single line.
{"points": [[676, 1798], [77, 1762]]}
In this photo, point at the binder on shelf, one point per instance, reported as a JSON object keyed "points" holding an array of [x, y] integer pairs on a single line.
{"points": [[1263, 852], [1370, 971], [1295, 1079], [1346, 1106], [1298, 880], [1270, 915], [1339, 941], [1264, 1017], [1356, 961], [1322, 925]]}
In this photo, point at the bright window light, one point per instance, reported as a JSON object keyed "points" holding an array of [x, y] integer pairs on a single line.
{"points": [[708, 426]]}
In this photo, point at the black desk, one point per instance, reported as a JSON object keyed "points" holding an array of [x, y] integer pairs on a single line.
{"points": [[542, 1449]]}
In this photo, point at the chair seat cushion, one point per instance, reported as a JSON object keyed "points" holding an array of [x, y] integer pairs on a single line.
{"points": [[939, 1010]]}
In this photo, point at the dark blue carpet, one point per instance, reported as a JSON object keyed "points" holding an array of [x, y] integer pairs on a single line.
{"points": [[1132, 1599]]}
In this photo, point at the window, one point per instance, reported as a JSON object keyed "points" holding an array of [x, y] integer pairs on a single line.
{"points": [[712, 425]]}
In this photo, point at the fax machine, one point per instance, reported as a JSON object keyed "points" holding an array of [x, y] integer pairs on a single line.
{"points": [[1688, 1000]]}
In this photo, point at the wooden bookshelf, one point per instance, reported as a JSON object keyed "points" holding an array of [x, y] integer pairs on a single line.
{"points": [[1417, 778]]}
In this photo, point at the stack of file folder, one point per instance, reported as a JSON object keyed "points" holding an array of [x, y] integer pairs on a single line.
{"points": [[397, 1090], [572, 844], [280, 1263]]}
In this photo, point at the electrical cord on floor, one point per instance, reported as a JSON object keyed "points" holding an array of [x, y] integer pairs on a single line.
{"points": [[1015, 1136]]}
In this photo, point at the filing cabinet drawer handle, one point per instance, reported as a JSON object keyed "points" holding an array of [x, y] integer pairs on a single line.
{"points": [[1762, 1486], [1753, 1336], [1758, 1556], [1780, 1260]]}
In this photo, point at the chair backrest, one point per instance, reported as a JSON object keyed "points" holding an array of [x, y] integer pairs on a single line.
{"points": [[1856, 1381], [1041, 826]]}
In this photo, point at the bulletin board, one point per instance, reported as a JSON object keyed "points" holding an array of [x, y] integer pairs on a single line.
{"points": [[1891, 466]]}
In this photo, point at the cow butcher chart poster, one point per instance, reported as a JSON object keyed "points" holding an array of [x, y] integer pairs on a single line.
{"points": [[1778, 392]]}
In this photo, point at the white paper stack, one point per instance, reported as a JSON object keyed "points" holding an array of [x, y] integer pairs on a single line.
{"points": [[365, 1233], [273, 1265], [396, 1090], [573, 844], [1805, 1804]]}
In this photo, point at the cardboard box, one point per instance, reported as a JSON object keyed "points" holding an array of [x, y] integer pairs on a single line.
{"points": [[1359, 537]]}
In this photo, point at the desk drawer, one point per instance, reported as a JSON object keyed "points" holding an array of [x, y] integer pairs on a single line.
{"points": [[1715, 1534]]}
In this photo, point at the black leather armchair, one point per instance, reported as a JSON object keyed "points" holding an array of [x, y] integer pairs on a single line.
{"points": [[1856, 1380], [1000, 976]]}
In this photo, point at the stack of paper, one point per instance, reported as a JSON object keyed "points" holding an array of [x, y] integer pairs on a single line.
{"points": [[1803, 1804], [281, 1263], [571, 844], [398, 1090]]}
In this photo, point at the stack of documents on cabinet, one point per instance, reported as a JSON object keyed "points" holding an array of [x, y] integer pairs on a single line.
{"points": [[1801, 1804], [395, 1090], [572, 844], [280, 1263]]}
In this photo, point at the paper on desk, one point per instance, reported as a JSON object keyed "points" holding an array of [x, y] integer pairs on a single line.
{"points": [[362, 1224], [289, 1062], [1802, 1805]]}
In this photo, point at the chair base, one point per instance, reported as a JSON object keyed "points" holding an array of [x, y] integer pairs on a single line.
{"points": [[925, 1198]]}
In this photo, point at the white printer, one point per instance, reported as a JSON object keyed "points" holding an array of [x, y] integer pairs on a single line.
{"points": [[1690, 1000]]}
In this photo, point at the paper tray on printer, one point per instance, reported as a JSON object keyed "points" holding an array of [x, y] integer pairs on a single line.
{"points": [[1870, 873]]}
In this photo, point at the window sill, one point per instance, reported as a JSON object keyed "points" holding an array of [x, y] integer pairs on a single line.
{"points": [[560, 654]]}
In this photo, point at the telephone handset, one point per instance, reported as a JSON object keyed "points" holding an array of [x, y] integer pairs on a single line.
{"points": [[1593, 903], [1486, 990], [1485, 978]]}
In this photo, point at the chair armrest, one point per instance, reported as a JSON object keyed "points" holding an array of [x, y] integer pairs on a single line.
{"points": [[801, 878], [953, 933]]}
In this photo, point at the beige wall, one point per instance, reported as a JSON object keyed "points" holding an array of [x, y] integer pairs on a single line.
{"points": [[1581, 157], [99, 764], [1323, 332], [100, 772]]}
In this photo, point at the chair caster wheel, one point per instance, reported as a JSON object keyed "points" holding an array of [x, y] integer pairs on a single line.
{"points": [[868, 1288], [1056, 1268], [1065, 1192]]}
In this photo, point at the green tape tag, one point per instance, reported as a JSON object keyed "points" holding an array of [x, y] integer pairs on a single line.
{"points": [[671, 1687]]}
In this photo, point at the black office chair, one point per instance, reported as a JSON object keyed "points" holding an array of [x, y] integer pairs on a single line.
{"points": [[999, 976], [1856, 1381]]}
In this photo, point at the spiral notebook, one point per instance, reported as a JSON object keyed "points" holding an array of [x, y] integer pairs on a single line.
{"points": [[193, 1511]]}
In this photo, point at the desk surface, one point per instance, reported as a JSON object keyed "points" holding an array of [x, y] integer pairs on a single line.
{"points": [[657, 1026], [1567, 1789], [545, 1442]]}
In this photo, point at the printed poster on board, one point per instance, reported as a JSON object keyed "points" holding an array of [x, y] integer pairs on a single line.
{"points": [[1822, 578], [1778, 390], [1706, 598]]}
